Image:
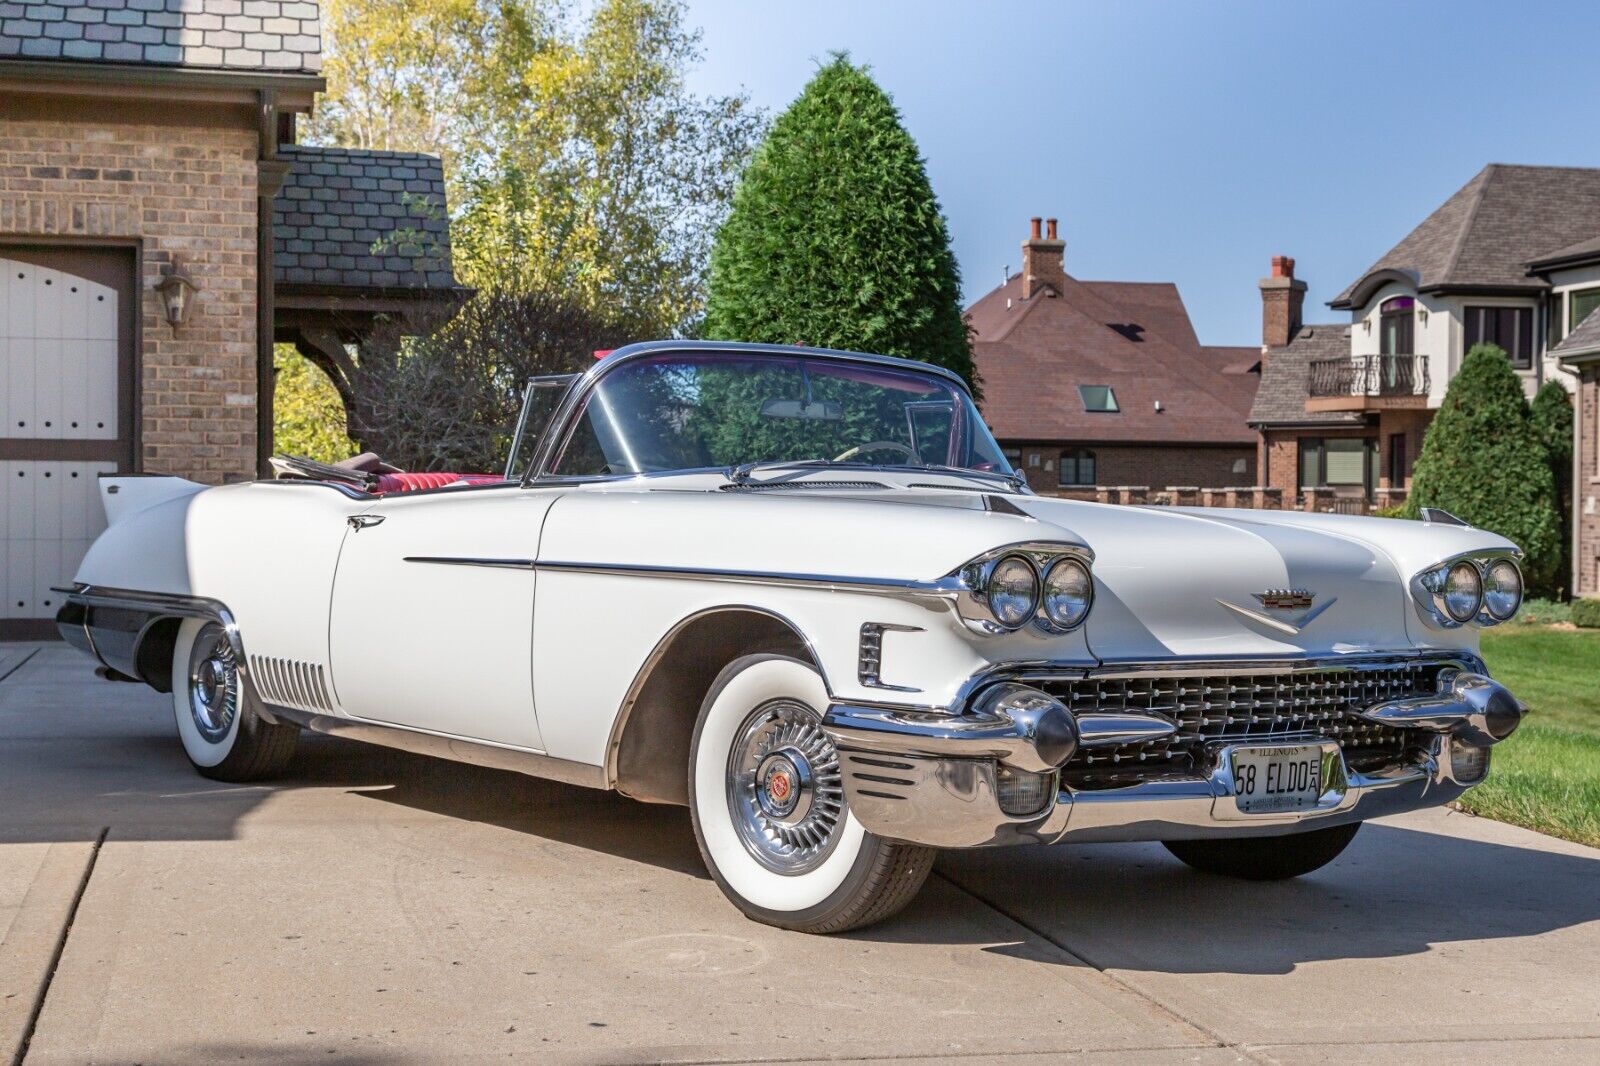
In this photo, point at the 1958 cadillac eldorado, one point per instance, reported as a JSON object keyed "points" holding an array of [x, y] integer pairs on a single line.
{"points": [[803, 593]]}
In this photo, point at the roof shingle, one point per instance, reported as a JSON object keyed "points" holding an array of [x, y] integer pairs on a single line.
{"points": [[353, 218], [272, 36], [1491, 229], [1033, 354], [1286, 379], [1583, 340]]}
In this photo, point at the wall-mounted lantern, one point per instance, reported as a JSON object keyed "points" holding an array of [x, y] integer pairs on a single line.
{"points": [[177, 291], [1422, 314]]}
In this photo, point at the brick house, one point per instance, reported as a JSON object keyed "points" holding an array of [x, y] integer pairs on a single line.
{"points": [[144, 269], [1512, 258], [1579, 355], [1093, 384]]}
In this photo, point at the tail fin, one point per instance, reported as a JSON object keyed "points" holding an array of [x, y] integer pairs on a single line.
{"points": [[123, 494]]}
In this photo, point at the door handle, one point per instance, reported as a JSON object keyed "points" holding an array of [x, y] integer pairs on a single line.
{"points": [[362, 521]]}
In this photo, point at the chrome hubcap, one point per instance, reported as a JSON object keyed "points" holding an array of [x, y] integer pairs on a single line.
{"points": [[784, 788], [213, 684]]}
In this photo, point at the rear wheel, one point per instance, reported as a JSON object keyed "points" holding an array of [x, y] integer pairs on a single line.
{"points": [[223, 735], [769, 811], [1266, 858]]}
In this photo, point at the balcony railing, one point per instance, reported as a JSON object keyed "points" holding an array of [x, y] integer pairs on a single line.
{"points": [[1370, 375]]}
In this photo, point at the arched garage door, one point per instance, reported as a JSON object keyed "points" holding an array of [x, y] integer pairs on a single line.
{"points": [[66, 387]]}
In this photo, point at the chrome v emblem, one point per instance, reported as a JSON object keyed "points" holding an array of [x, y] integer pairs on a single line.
{"points": [[1283, 599]]}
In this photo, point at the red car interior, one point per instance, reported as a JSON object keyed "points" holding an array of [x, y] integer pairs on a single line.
{"points": [[395, 484]]}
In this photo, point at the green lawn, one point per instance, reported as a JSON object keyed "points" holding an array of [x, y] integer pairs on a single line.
{"points": [[1547, 776]]}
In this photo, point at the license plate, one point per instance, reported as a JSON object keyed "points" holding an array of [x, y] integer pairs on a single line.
{"points": [[1268, 780]]}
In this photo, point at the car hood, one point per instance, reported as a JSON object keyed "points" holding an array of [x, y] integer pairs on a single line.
{"points": [[1191, 584]]}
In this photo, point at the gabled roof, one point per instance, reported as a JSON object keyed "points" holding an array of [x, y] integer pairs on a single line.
{"points": [[1034, 354], [1582, 341], [357, 219], [1286, 379], [271, 36], [1485, 235]]}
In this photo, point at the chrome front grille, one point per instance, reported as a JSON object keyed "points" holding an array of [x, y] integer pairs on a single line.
{"points": [[1214, 707]]}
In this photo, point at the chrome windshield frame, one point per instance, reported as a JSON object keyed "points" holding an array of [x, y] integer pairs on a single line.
{"points": [[564, 421]]}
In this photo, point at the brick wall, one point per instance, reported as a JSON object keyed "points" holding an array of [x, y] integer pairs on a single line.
{"points": [[1282, 450], [181, 191], [1414, 426], [1155, 466], [1586, 491]]}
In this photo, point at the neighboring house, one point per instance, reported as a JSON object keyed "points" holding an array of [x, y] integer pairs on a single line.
{"points": [[1104, 383], [1579, 355], [144, 270], [1512, 259]]}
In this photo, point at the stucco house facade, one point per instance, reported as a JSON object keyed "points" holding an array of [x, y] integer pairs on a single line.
{"points": [[141, 156], [1512, 258]]}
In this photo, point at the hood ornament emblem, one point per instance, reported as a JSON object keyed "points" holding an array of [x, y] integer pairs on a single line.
{"points": [[1284, 601]]}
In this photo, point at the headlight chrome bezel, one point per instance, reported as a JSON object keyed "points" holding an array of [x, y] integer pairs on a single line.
{"points": [[972, 583], [1429, 589]]}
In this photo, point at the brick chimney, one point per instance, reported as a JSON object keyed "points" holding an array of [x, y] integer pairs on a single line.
{"points": [[1281, 299], [1042, 260]]}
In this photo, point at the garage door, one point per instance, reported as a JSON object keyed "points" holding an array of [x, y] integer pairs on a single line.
{"points": [[66, 358]]}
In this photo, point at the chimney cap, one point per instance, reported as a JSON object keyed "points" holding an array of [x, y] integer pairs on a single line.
{"points": [[1282, 267], [1033, 227], [1050, 228]]}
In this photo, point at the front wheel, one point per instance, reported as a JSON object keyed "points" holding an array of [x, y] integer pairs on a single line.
{"points": [[1266, 858], [767, 799], [222, 734]]}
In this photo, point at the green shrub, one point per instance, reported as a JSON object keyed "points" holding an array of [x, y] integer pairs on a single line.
{"points": [[1483, 461], [1586, 613], [1552, 420], [835, 238], [1397, 511], [1538, 611]]}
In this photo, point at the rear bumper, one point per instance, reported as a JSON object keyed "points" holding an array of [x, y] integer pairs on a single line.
{"points": [[941, 779]]}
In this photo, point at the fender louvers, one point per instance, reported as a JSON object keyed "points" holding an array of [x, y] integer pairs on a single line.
{"points": [[290, 683]]}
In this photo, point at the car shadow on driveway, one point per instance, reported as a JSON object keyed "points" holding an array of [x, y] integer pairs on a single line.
{"points": [[1395, 892]]}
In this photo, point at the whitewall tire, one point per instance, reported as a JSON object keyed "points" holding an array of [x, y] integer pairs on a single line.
{"points": [[223, 735], [769, 810]]}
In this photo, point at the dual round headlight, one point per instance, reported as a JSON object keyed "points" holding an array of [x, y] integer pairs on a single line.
{"points": [[1487, 591], [1502, 590], [1463, 592], [1015, 592]]}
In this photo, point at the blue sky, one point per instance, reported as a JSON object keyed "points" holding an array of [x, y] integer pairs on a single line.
{"points": [[1189, 142]]}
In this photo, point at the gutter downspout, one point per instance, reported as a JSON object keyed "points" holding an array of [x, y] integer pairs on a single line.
{"points": [[270, 174], [1577, 467]]}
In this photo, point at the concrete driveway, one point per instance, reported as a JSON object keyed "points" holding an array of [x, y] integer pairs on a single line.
{"points": [[376, 907]]}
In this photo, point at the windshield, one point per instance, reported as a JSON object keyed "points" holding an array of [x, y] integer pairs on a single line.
{"points": [[686, 411]]}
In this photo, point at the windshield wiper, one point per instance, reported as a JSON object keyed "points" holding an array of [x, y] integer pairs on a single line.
{"points": [[1014, 480], [741, 473]]}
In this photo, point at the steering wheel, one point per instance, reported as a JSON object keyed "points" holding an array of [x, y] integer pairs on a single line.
{"points": [[877, 445]]}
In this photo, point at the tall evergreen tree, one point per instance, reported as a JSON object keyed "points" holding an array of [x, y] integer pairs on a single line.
{"points": [[835, 238], [1552, 419], [1484, 461]]}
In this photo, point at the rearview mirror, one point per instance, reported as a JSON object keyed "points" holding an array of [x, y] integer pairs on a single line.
{"points": [[815, 411]]}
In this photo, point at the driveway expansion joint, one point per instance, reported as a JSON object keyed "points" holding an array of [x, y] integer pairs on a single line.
{"points": [[1211, 1036], [59, 949]]}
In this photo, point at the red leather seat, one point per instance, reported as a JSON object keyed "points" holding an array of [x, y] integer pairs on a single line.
{"points": [[415, 482]]}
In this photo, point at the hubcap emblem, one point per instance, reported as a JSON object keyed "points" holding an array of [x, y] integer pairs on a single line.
{"points": [[783, 785]]}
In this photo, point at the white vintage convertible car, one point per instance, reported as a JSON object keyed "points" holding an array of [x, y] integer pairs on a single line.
{"points": [[802, 592]]}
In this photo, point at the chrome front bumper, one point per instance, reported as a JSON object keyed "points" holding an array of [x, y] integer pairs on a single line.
{"points": [[936, 778]]}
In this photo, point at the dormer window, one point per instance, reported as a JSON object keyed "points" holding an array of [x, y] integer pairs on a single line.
{"points": [[1098, 398]]}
